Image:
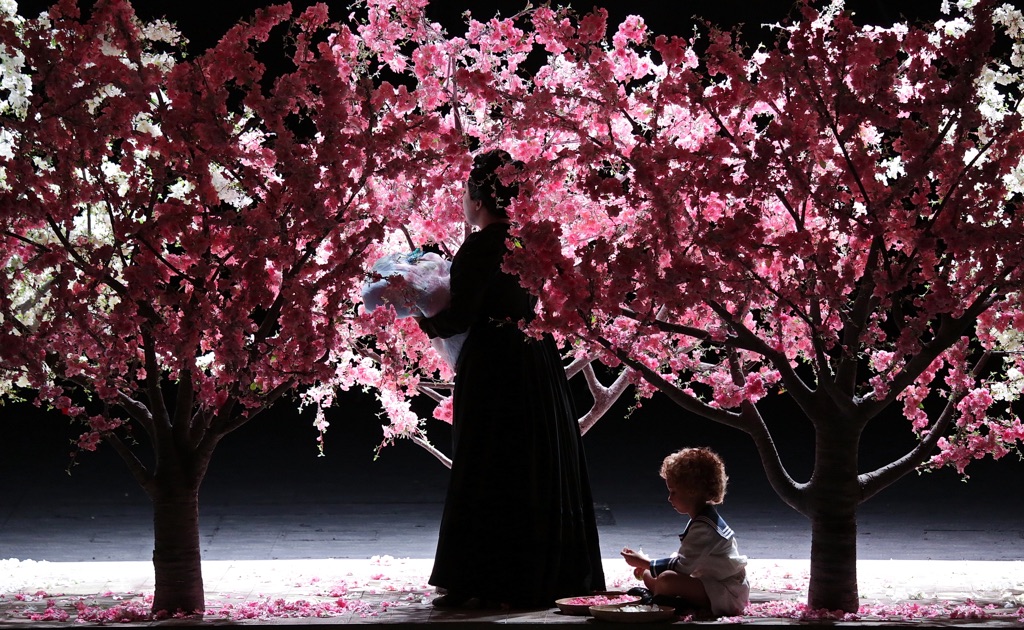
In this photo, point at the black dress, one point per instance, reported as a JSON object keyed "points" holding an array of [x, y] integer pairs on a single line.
{"points": [[518, 523]]}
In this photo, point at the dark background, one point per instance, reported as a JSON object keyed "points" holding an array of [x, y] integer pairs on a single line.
{"points": [[271, 465]]}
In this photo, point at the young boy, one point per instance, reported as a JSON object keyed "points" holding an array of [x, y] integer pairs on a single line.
{"points": [[707, 572]]}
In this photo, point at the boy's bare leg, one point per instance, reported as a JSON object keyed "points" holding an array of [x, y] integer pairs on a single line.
{"points": [[674, 584]]}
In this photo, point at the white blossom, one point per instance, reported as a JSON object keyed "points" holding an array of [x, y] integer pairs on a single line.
{"points": [[205, 362], [162, 31], [8, 143], [8, 9], [892, 169], [1014, 180], [227, 189], [1010, 340], [1011, 19], [110, 50], [115, 175], [955, 28], [180, 190], [144, 124], [94, 225], [828, 14], [16, 85], [1009, 390], [105, 92]]}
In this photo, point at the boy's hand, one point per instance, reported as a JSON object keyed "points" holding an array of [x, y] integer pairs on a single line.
{"points": [[636, 559]]}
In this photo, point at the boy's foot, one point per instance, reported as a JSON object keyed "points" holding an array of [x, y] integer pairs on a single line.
{"points": [[645, 595]]}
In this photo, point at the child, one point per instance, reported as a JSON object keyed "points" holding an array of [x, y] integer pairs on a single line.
{"points": [[707, 572]]}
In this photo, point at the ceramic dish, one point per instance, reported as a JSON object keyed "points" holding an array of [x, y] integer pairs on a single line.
{"points": [[632, 613], [581, 605]]}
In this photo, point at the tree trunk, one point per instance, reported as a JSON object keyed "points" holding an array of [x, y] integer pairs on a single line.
{"points": [[176, 553], [833, 497], [833, 584]]}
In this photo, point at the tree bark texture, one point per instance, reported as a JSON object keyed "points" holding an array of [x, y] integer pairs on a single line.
{"points": [[833, 497], [833, 583], [176, 552]]}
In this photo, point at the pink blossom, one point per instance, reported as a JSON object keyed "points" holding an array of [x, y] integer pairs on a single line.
{"points": [[754, 388], [89, 441], [443, 411], [632, 30], [52, 613], [675, 51], [593, 26]]}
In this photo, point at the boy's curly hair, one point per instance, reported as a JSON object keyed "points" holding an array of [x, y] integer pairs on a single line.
{"points": [[698, 470]]}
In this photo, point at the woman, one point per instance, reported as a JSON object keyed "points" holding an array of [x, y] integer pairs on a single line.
{"points": [[518, 527]]}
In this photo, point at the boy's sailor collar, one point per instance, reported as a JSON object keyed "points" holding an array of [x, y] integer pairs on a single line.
{"points": [[710, 516]]}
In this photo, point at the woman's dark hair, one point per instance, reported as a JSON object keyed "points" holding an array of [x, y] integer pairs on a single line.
{"points": [[485, 183]]}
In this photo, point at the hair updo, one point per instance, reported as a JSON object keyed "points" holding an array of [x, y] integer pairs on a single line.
{"points": [[485, 181]]}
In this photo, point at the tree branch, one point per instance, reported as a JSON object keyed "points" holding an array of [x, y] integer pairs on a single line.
{"points": [[816, 96], [604, 397], [950, 329], [577, 365], [223, 427], [138, 412], [795, 385], [162, 422], [430, 448], [662, 325], [26, 240], [676, 395], [137, 469], [855, 323], [791, 492], [873, 482], [431, 393]]}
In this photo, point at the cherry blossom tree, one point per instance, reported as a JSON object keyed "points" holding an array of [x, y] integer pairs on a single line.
{"points": [[834, 218], [183, 241], [394, 359]]}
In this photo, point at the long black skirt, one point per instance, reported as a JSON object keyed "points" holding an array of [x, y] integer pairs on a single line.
{"points": [[518, 524]]}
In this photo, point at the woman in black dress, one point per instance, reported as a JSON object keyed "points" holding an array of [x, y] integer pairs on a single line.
{"points": [[518, 526]]}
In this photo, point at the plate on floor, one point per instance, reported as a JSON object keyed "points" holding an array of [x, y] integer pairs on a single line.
{"points": [[581, 605], [632, 612]]}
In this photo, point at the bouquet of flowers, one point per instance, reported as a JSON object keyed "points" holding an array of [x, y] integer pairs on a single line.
{"points": [[414, 283]]}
